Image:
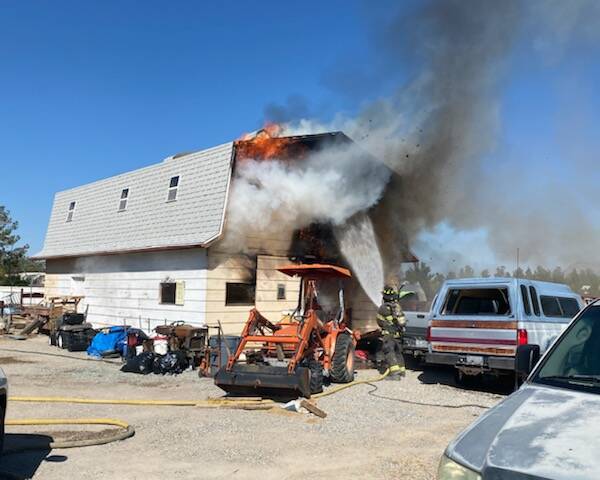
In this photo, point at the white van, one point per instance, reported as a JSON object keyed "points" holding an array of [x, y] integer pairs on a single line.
{"points": [[476, 324]]}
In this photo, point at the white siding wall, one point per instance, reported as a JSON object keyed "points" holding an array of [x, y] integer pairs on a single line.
{"points": [[124, 289]]}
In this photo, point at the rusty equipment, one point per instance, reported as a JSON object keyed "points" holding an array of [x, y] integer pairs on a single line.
{"points": [[193, 341], [291, 358], [45, 316]]}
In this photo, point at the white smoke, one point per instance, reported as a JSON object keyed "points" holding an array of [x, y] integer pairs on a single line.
{"points": [[358, 244], [274, 198]]}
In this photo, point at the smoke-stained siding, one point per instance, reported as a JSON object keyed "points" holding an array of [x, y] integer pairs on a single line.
{"points": [[226, 267], [124, 288], [149, 221]]}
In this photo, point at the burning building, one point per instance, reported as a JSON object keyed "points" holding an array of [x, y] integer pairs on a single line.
{"points": [[199, 236]]}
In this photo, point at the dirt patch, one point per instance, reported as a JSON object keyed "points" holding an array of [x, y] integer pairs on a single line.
{"points": [[77, 435], [11, 360], [375, 437]]}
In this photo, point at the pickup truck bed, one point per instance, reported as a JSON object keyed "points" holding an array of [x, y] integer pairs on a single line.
{"points": [[415, 337]]}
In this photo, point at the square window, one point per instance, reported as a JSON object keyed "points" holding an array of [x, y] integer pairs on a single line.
{"points": [[240, 293], [124, 193], [168, 293], [72, 206], [172, 293], [174, 182], [122, 205], [280, 291]]}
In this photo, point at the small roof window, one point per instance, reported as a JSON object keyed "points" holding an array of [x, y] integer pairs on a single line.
{"points": [[173, 186], [123, 200], [71, 212]]}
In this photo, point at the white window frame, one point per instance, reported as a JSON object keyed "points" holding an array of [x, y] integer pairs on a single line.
{"points": [[123, 200], [173, 189], [71, 211]]}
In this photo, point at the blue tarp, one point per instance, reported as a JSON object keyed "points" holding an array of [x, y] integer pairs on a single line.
{"points": [[105, 343]]}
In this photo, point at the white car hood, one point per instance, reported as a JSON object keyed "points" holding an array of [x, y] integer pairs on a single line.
{"points": [[537, 433]]}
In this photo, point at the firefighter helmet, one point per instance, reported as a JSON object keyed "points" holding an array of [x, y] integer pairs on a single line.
{"points": [[390, 293]]}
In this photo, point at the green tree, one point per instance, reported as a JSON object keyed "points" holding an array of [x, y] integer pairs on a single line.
{"points": [[466, 272], [501, 272], [436, 283], [421, 273], [12, 257], [528, 273], [573, 279], [558, 275], [519, 273], [542, 273]]}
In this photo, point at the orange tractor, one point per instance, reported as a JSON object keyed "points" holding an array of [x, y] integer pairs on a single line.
{"points": [[292, 358]]}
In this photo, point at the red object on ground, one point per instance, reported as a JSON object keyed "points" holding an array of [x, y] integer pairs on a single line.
{"points": [[361, 355]]}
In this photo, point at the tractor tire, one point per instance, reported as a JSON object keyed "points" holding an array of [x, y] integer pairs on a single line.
{"points": [[316, 376], [342, 363]]}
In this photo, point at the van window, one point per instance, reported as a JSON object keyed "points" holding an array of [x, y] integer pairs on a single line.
{"points": [[574, 361], [534, 301], [560, 307], [477, 301], [525, 297]]}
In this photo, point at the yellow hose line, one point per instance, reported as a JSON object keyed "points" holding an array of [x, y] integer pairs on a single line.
{"points": [[343, 386], [125, 432], [210, 403], [68, 421]]}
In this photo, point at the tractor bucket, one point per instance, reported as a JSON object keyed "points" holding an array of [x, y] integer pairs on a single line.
{"points": [[264, 381]]}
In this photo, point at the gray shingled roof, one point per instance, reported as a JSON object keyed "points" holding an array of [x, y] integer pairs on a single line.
{"points": [[149, 221]]}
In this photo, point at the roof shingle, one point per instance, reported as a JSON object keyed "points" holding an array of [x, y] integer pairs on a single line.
{"points": [[149, 221]]}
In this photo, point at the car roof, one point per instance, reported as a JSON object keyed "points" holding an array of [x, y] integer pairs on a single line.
{"points": [[546, 287]]}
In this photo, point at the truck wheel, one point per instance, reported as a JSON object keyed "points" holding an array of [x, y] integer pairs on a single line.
{"points": [[342, 362], [316, 376], [59, 340], [466, 381]]}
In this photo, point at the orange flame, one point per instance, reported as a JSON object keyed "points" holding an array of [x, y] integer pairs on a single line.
{"points": [[265, 144]]}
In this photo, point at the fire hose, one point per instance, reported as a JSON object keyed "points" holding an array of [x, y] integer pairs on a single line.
{"points": [[127, 431]]}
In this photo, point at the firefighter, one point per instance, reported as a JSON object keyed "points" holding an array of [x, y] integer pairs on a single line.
{"points": [[391, 320]]}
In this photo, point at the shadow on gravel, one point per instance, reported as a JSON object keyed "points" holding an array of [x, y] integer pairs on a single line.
{"points": [[483, 383], [17, 464]]}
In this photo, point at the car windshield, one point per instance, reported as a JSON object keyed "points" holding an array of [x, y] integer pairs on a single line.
{"points": [[574, 362]]}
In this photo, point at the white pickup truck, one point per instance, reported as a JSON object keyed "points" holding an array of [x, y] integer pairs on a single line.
{"points": [[476, 324], [415, 341]]}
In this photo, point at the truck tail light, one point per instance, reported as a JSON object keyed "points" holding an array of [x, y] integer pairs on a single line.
{"points": [[522, 337], [428, 337]]}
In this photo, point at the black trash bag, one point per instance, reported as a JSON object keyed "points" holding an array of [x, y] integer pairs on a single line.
{"points": [[172, 363], [142, 363]]}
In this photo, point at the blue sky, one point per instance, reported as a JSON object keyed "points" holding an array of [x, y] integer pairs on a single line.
{"points": [[92, 89]]}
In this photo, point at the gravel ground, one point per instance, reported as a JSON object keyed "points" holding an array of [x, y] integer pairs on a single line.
{"points": [[365, 435]]}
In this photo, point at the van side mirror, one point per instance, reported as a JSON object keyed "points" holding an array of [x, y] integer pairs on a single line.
{"points": [[526, 358]]}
